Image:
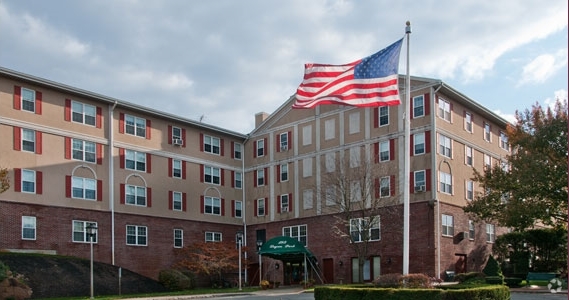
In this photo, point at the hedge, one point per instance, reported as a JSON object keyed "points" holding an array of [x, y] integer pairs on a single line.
{"points": [[351, 293]]}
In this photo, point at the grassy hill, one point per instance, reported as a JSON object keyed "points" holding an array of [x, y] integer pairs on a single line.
{"points": [[52, 276]]}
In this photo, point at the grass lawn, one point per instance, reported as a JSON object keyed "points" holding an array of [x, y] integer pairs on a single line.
{"points": [[198, 291]]}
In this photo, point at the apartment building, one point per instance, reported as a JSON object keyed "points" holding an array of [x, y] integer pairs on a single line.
{"points": [[152, 182]]}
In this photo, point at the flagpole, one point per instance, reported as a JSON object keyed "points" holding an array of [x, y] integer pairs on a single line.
{"points": [[407, 156]]}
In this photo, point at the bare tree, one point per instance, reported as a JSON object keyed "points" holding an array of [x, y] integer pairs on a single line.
{"points": [[4, 180], [355, 192]]}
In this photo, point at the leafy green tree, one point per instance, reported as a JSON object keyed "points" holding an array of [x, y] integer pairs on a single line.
{"points": [[529, 187]]}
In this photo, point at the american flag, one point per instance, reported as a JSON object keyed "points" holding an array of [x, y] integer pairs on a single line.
{"points": [[372, 81]]}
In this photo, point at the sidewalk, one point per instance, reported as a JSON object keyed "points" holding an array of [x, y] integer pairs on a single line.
{"points": [[535, 289], [286, 290]]}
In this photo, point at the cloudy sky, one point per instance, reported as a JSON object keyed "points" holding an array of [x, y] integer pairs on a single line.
{"points": [[225, 60]]}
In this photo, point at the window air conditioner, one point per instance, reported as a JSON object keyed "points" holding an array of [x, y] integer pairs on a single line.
{"points": [[419, 188], [284, 148], [178, 142]]}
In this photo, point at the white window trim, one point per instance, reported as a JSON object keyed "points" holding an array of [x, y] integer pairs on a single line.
{"points": [[213, 205], [27, 226], [178, 238], [214, 236], [136, 235], [212, 145], [83, 113], [86, 238]]}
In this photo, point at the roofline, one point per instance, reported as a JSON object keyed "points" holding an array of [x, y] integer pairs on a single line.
{"points": [[111, 101]]}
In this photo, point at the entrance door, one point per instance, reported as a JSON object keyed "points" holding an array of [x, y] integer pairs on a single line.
{"points": [[328, 270]]}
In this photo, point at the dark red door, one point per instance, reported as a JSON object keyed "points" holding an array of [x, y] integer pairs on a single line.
{"points": [[328, 270]]}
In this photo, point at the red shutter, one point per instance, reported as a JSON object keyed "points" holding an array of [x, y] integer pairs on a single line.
{"points": [[99, 154], [266, 206], [38, 142], [201, 173], [17, 97], [278, 143], [376, 181], [67, 114], [232, 179], [222, 147], [148, 163], [169, 134], [375, 117], [289, 140], [99, 190], [232, 149], [17, 180], [148, 129], [170, 200], [122, 192], [278, 173], [427, 99], [184, 202], [99, 118], [233, 208], [222, 175], [38, 102], [184, 169], [169, 167], [201, 142], [222, 207], [392, 185], [392, 149], [290, 202], [265, 147], [39, 182], [67, 148], [428, 141], [68, 186], [411, 105], [256, 208], [411, 182], [411, 146], [121, 123], [279, 204], [255, 178], [148, 197], [17, 138], [266, 173], [255, 145], [121, 158], [183, 138], [428, 179], [202, 200], [376, 152]]}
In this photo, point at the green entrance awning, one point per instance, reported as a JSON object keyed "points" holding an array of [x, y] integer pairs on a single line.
{"points": [[285, 248]]}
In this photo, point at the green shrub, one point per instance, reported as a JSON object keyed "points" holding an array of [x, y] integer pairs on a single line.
{"points": [[492, 267], [494, 279], [4, 271], [513, 281], [175, 280], [370, 293], [417, 281], [392, 280], [463, 277]]}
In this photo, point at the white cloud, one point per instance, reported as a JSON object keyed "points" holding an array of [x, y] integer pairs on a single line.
{"points": [[543, 67]]}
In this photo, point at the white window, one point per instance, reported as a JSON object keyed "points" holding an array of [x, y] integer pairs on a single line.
{"points": [[383, 115], [260, 207], [28, 100], [284, 172], [177, 201], [418, 106], [445, 182], [307, 135], [84, 151], [83, 113], [355, 158], [176, 133], [136, 235], [212, 175], [28, 181], [420, 180], [330, 162], [329, 129], [212, 206], [504, 141], [362, 230], [307, 198], [471, 230], [135, 160], [384, 154], [176, 168], [237, 150], [444, 110], [330, 195], [135, 195], [135, 126], [260, 147], [283, 137], [238, 180], [28, 228], [284, 203], [468, 122], [211, 145], [448, 225], [298, 232], [468, 155], [84, 188], [384, 187], [354, 120], [238, 209], [355, 191], [212, 236], [490, 233], [469, 190], [81, 233], [445, 146], [178, 238], [28, 140], [261, 177], [307, 167], [487, 161], [487, 133], [419, 143]]}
